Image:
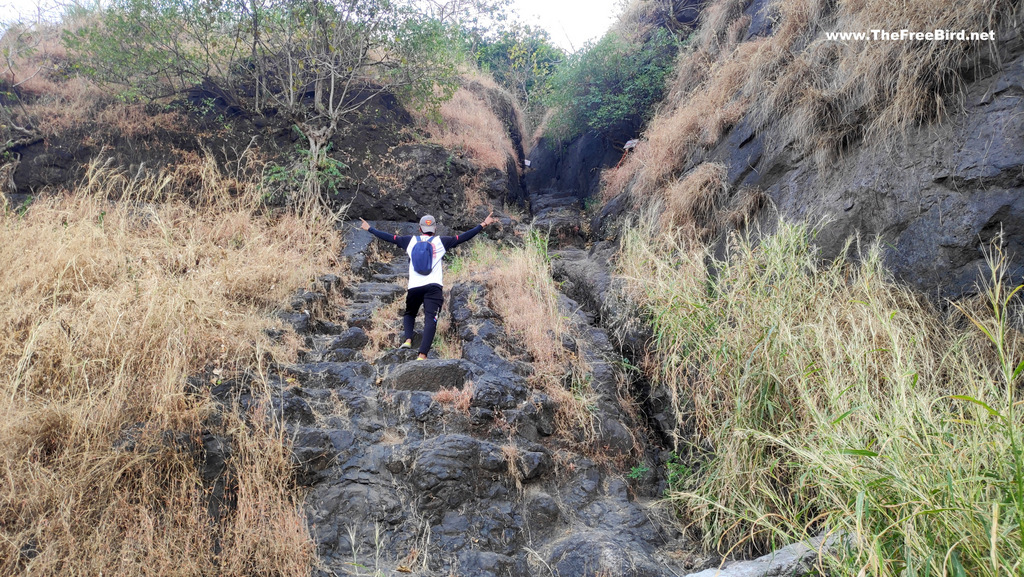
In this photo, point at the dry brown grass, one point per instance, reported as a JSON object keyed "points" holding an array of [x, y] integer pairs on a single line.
{"points": [[538, 132], [447, 343], [385, 329], [747, 202], [468, 124], [66, 105], [459, 399], [110, 306], [51, 100], [717, 19], [822, 95], [691, 201], [498, 97], [512, 459], [812, 396], [29, 53], [56, 106]]}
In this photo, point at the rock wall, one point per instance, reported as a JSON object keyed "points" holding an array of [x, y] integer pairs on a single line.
{"points": [[935, 196], [575, 167], [389, 169]]}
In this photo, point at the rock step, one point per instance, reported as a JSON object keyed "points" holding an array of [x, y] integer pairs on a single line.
{"points": [[428, 375], [332, 375], [343, 347], [353, 338], [560, 215], [368, 292], [546, 199], [390, 278]]}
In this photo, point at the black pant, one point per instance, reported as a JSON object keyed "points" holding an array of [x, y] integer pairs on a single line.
{"points": [[431, 297]]}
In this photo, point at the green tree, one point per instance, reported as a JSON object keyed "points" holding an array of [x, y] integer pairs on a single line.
{"points": [[611, 85], [521, 58], [157, 47]]}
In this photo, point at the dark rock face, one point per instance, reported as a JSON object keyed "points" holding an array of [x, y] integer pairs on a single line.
{"points": [[41, 167], [576, 167], [384, 172], [760, 18], [431, 183], [936, 197]]}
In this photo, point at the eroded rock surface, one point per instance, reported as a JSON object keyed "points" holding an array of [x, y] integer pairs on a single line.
{"points": [[480, 482]]}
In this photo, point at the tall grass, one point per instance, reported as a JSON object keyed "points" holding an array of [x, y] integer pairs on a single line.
{"points": [[108, 307], [821, 396]]}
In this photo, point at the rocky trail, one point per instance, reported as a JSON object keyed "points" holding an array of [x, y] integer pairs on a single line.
{"points": [[456, 466], [403, 479]]}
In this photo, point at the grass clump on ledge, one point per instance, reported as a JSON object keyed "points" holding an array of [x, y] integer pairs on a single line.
{"points": [[523, 293], [824, 397], [109, 307]]}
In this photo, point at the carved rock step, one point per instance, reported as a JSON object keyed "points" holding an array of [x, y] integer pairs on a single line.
{"points": [[374, 291], [428, 375]]}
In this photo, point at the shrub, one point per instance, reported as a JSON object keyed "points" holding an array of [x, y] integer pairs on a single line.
{"points": [[522, 59]]}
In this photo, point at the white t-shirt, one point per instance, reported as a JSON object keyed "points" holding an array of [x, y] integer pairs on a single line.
{"points": [[435, 277]]}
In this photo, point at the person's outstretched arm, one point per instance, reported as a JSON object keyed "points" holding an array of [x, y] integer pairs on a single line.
{"points": [[451, 242], [402, 241]]}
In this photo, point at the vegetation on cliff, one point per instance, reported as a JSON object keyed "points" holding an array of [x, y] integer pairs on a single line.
{"points": [[824, 94], [611, 85]]}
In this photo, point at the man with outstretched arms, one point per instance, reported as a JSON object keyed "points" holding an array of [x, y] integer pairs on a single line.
{"points": [[425, 274]]}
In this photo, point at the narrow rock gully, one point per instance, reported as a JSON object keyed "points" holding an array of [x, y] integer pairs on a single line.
{"points": [[404, 480]]}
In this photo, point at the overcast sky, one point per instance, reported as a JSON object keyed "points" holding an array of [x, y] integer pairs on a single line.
{"points": [[570, 22]]}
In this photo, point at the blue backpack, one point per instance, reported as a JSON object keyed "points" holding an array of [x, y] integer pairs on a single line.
{"points": [[422, 256]]}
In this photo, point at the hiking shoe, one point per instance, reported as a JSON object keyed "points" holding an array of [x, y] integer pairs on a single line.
{"points": [[406, 345], [421, 357]]}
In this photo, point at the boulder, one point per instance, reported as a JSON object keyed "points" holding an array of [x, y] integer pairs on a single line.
{"points": [[794, 560], [598, 552], [427, 375]]}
